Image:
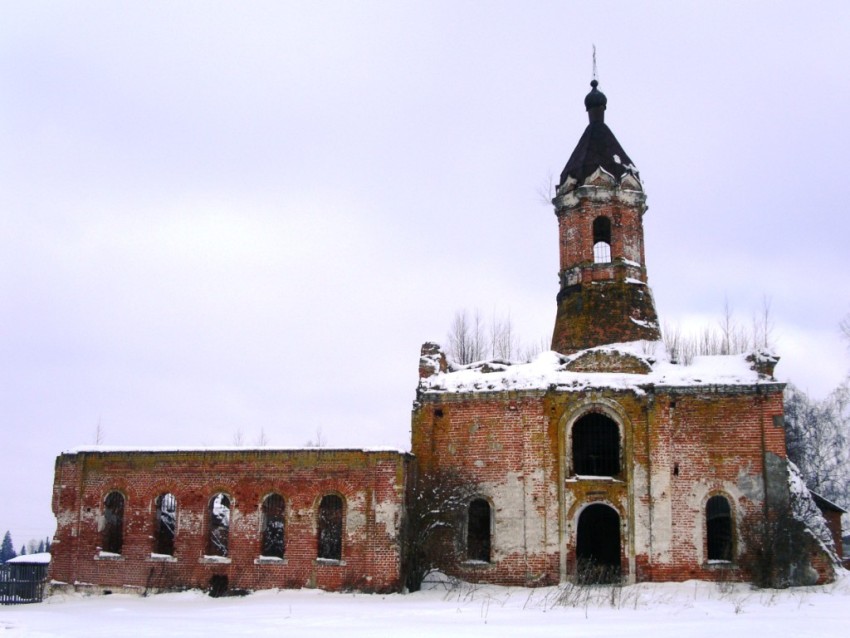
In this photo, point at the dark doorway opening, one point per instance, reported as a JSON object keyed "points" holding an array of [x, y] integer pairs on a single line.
{"points": [[719, 527], [598, 545]]}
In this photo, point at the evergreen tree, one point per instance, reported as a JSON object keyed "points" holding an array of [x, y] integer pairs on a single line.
{"points": [[7, 550], [23, 551]]}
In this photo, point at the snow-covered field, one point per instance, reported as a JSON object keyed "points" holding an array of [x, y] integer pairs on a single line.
{"points": [[678, 610]]}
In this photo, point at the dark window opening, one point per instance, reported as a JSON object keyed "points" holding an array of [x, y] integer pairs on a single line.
{"points": [[598, 545], [601, 240], [218, 585], [675, 469], [718, 520], [113, 523], [330, 528], [273, 526], [596, 446], [219, 522], [478, 531], [166, 524]]}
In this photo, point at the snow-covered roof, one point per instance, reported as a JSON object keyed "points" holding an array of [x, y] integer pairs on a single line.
{"points": [[824, 503], [551, 370], [41, 558], [179, 448]]}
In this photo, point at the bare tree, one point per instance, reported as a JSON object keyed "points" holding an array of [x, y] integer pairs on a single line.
{"points": [[435, 512], [778, 548], [817, 436], [470, 339], [467, 337], [318, 440], [547, 189], [502, 338], [99, 433], [729, 337], [763, 326], [532, 349], [262, 439]]}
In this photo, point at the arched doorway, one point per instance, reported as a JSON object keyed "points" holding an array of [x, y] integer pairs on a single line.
{"points": [[598, 545]]}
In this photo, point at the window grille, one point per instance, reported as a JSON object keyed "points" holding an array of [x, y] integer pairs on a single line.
{"points": [[601, 253], [596, 446]]}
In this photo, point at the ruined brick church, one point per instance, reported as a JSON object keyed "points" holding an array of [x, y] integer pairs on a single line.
{"points": [[602, 451]]}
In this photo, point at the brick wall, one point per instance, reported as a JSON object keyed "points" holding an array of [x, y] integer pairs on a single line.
{"points": [[679, 447], [601, 303], [371, 484]]}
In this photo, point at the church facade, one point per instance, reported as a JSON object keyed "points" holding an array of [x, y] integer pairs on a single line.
{"points": [[600, 455]]}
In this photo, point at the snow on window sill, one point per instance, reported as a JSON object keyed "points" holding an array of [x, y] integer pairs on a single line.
{"points": [[719, 564], [101, 555], [270, 560], [213, 560], [477, 563], [329, 561], [161, 558], [589, 477]]}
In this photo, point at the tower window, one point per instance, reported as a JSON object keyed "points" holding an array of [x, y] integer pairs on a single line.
{"points": [[113, 523], [478, 531], [601, 240], [273, 526], [166, 520], [330, 527], [596, 446], [219, 521], [718, 520]]}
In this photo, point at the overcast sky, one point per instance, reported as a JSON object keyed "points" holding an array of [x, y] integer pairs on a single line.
{"points": [[218, 217]]}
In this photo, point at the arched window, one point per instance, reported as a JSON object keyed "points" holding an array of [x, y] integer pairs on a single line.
{"points": [[330, 527], [601, 240], [218, 516], [165, 524], [478, 531], [273, 526], [718, 522], [596, 446], [113, 523]]}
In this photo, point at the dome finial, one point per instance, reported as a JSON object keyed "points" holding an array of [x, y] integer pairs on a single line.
{"points": [[595, 101], [595, 77]]}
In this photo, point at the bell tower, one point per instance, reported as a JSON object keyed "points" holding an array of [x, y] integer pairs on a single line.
{"points": [[604, 296]]}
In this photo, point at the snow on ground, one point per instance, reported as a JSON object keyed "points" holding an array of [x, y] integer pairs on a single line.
{"points": [[668, 610]]}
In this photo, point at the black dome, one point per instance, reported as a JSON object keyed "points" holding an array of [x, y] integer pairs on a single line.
{"points": [[595, 98], [597, 146]]}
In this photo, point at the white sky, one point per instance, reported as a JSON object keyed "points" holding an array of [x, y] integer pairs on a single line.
{"points": [[224, 216]]}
